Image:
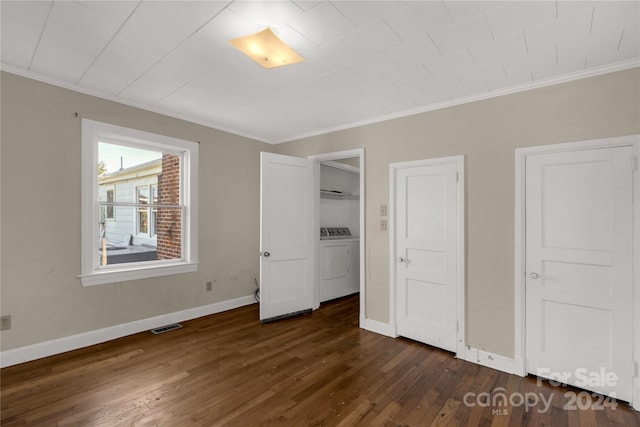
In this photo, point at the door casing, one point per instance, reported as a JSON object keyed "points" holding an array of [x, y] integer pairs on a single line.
{"points": [[318, 158], [460, 255], [520, 242]]}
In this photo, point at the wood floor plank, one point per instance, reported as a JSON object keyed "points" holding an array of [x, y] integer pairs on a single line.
{"points": [[229, 369]]}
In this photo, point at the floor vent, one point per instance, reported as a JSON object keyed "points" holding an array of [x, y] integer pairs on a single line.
{"points": [[163, 329]]}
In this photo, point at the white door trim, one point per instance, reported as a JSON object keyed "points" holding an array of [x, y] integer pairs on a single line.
{"points": [[519, 241], [461, 275], [318, 158]]}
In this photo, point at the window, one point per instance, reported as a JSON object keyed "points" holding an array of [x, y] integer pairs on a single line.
{"points": [[146, 186], [143, 210], [109, 208]]}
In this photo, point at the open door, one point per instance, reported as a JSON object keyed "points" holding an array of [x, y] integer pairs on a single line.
{"points": [[287, 236]]}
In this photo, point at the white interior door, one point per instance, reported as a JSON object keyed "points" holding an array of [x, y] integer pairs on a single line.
{"points": [[287, 236], [426, 237], [579, 278]]}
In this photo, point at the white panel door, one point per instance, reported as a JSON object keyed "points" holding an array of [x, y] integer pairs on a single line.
{"points": [[426, 257], [579, 284], [287, 235]]}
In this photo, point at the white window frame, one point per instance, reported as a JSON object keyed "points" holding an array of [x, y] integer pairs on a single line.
{"points": [[91, 271]]}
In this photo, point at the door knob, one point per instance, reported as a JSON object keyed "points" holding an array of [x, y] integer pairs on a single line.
{"points": [[400, 259], [534, 275], [266, 254]]}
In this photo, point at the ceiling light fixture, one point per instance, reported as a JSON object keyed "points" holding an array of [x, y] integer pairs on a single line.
{"points": [[266, 48]]}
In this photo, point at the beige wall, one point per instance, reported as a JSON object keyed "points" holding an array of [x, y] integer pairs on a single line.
{"points": [[40, 209], [40, 177], [487, 133]]}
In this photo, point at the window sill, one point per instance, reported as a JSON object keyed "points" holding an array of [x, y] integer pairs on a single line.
{"points": [[135, 273]]}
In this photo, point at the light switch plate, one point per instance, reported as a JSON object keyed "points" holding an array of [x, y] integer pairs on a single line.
{"points": [[383, 210], [383, 225]]}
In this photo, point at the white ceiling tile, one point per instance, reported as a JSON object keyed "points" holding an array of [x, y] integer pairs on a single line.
{"points": [[189, 57], [364, 12], [330, 57], [605, 51], [228, 25], [493, 75], [223, 78], [306, 4], [609, 17], [475, 81], [462, 35], [519, 15], [571, 56], [154, 87], [566, 30], [118, 10], [16, 51], [129, 56], [294, 39], [543, 60], [569, 7], [464, 9], [313, 24], [413, 52], [451, 63], [374, 66], [267, 14], [61, 62], [177, 76], [517, 67], [372, 38], [629, 45], [180, 17], [106, 80], [419, 19], [163, 25], [21, 24], [509, 46], [403, 100], [78, 28]]}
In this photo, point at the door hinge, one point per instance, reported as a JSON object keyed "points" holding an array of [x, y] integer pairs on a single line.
{"points": [[457, 326], [457, 176], [634, 163], [635, 369]]}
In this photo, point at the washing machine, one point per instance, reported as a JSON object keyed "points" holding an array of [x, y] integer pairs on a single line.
{"points": [[339, 263]]}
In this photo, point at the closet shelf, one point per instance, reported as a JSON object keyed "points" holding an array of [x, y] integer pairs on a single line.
{"points": [[335, 194]]}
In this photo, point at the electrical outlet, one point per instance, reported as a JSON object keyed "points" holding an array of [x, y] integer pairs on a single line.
{"points": [[383, 225], [209, 286], [383, 210], [5, 323]]}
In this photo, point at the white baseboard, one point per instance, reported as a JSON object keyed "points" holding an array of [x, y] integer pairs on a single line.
{"points": [[492, 360], [378, 327], [85, 339]]}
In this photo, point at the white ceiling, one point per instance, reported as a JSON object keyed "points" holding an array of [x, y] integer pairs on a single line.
{"points": [[365, 60]]}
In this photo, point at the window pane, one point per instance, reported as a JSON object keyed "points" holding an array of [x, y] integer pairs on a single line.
{"points": [[169, 233], [143, 220], [123, 244], [154, 210], [140, 178], [110, 209], [115, 162], [142, 195]]}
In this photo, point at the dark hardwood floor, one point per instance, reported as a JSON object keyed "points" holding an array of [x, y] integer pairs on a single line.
{"points": [[320, 369]]}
